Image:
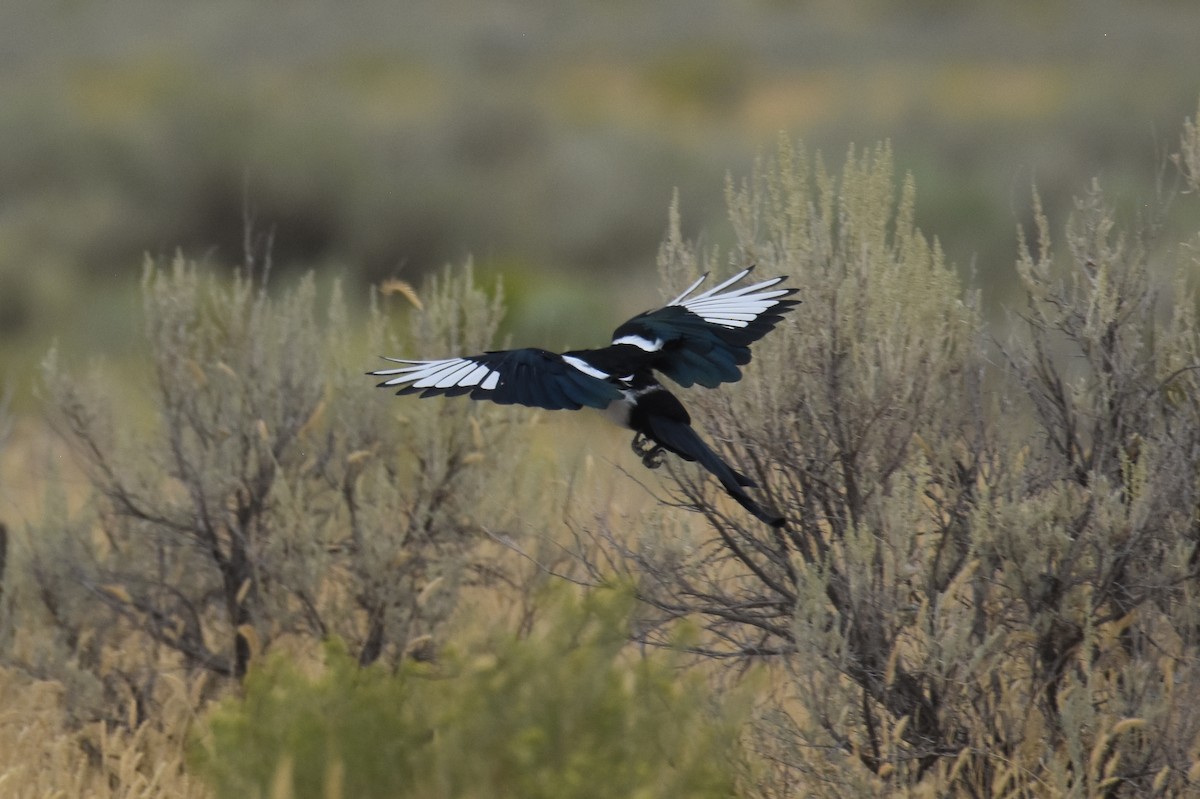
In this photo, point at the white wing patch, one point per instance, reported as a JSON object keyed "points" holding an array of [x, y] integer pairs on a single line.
{"points": [[736, 308], [446, 373]]}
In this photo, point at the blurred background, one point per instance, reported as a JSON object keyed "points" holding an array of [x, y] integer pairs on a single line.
{"points": [[379, 139]]}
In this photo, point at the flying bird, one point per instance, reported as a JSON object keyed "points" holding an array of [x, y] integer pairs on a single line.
{"points": [[692, 339]]}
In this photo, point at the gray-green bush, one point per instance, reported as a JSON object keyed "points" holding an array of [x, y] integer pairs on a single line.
{"points": [[989, 581], [269, 493]]}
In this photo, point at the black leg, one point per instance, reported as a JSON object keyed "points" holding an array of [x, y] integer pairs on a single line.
{"points": [[650, 453]]}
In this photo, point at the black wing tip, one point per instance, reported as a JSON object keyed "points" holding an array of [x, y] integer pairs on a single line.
{"points": [[775, 281], [783, 306], [772, 282]]}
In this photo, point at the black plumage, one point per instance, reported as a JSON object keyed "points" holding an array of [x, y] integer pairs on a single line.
{"points": [[703, 339]]}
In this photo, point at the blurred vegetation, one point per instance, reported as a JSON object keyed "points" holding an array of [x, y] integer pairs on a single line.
{"points": [[561, 712], [396, 138], [988, 587]]}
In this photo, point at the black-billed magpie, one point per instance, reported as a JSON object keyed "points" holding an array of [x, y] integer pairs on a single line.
{"points": [[701, 339]]}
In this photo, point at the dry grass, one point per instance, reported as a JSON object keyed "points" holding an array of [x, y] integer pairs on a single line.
{"points": [[41, 756]]}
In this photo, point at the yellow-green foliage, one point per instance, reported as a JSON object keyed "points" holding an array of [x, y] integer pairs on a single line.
{"points": [[565, 712]]}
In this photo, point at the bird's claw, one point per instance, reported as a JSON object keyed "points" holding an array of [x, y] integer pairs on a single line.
{"points": [[653, 459], [650, 453]]}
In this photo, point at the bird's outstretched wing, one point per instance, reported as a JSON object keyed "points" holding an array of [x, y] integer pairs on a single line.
{"points": [[532, 377], [705, 338]]}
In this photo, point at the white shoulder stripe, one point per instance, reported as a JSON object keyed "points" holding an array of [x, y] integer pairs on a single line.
{"points": [[640, 342], [585, 367]]}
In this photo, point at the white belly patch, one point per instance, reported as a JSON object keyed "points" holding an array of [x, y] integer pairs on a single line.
{"points": [[618, 411]]}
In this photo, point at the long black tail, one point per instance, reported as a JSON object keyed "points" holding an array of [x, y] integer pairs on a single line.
{"points": [[682, 439]]}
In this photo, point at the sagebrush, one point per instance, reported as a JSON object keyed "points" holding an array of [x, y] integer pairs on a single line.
{"points": [[989, 581]]}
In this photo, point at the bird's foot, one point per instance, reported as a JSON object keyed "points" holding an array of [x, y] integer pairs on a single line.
{"points": [[650, 453], [653, 458]]}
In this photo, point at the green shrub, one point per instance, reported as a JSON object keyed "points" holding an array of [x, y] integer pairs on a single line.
{"points": [[566, 712]]}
